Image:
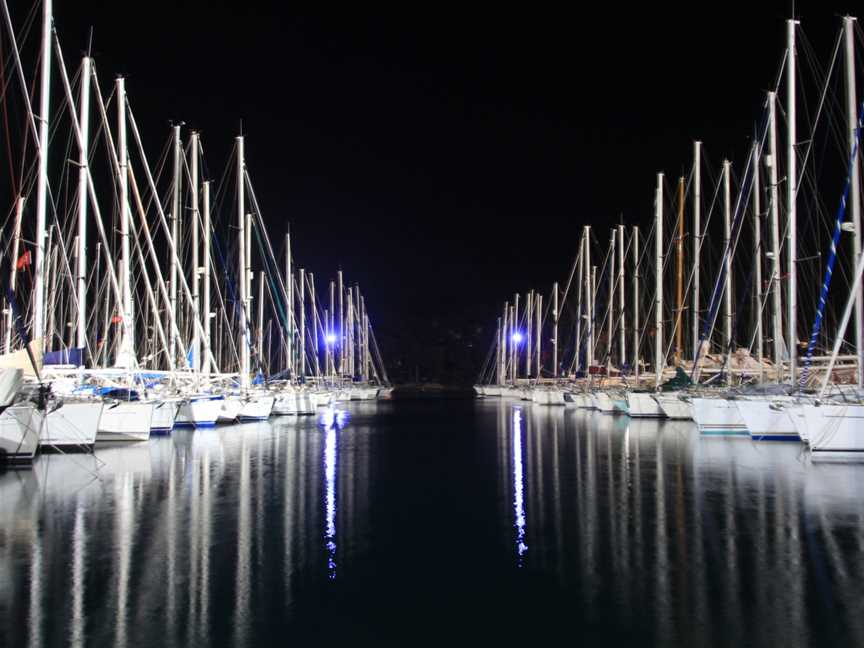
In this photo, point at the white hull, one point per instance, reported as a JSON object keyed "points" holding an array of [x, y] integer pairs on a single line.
{"points": [[19, 433], [199, 411], [72, 426], [718, 416], [164, 416], [321, 399], [643, 405], [257, 408], [126, 421], [767, 422], [548, 397], [229, 409], [294, 403], [674, 408], [603, 402], [835, 430]]}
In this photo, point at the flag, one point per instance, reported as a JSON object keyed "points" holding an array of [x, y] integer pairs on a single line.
{"points": [[23, 261], [117, 319]]}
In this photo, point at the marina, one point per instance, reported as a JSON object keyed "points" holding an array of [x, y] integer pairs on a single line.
{"points": [[379, 330]]}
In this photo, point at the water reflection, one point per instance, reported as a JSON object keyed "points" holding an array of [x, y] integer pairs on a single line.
{"points": [[518, 488], [688, 536], [177, 538]]}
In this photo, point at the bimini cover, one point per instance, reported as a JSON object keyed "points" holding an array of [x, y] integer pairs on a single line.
{"points": [[10, 384], [73, 356]]}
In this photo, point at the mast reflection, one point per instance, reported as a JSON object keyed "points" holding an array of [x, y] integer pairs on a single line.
{"points": [[518, 486]]}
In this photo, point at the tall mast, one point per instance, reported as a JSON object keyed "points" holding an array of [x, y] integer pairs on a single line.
{"points": [[175, 226], [516, 334], [529, 330], [757, 246], [341, 322], [613, 283], [774, 200], [505, 337], [791, 200], [242, 273], [331, 334], [314, 311], [260, 338], [83, 162], [854, 188], [512, 344], [208, 348], [196, 279], [126, 352], [16, 246], [289, 296], [697, 242], [679, 277], [589, 299], [622, 331], [42, 181], [636, 303], [727, 259], [580, 311], [301, 274], [658, 307], [538, 325], [555, 330]]}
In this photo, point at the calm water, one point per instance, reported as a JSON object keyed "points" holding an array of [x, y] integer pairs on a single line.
{"points": [[417, 523]]}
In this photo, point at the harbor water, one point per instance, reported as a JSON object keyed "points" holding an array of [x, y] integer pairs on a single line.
{"points": [[453, 522]]}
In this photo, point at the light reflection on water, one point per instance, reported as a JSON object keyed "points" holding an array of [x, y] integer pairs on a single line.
{"points": [[229, 536]]}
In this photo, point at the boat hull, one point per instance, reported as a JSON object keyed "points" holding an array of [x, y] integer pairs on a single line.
{"points": [[199, 411], [718, 417], [643, 405], [125, 421], [71, 427], [767, 422], [257, 408], [20, 426]]}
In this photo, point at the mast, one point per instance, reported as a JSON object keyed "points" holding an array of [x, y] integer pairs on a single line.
{"points": [[301, 273], [289, 289], [242, 263], [331, 334], [854, 188], [613, 283], [175, 225], [126, 351], [658, 307], [580, 310], [774, 200], [757, 245], [538, 324], [529, 326], [42, 181], [622, 332], [502, 360], [205, 365], [636, 303], [516, 335], [341, 322], [83, 162], [697, 242], [260, 337], [16, 248], [196, 278], [314, 310], [589, 299], [679, 277], [555, 330], [791, 202], [727, 260]]}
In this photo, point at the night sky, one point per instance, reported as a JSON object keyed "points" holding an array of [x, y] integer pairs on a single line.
{"points": [[445, 157]]}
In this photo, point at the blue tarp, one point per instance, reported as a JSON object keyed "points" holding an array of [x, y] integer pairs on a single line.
{"points": [[73, 356]]}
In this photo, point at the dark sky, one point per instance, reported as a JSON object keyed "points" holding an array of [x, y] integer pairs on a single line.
{"points": [[445, 156]]}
